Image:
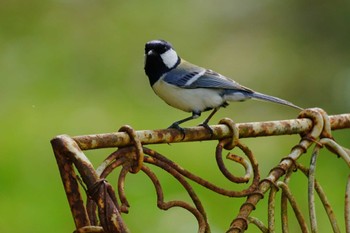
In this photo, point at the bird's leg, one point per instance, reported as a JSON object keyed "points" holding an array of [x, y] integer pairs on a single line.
{"points": [[205, 122], [176, 124]]}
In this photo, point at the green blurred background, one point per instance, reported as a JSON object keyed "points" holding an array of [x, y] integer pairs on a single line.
{"points": [[76, 67]]}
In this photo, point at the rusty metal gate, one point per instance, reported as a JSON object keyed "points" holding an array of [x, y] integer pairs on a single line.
{"points": [[102, 210]]}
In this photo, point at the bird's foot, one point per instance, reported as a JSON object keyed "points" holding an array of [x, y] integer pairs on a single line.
{"points": [[206, 126], [176, 126]]}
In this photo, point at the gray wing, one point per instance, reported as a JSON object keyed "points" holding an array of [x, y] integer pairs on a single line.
{"points": [[190, 76]]}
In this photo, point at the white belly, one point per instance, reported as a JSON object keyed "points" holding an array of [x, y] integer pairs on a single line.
{"points": [[188, 100]]}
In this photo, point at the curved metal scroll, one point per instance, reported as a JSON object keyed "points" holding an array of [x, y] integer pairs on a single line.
{"points": [[104, 209]]}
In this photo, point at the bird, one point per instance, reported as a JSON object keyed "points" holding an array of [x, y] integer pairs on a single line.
{"points": [[192, 88]]}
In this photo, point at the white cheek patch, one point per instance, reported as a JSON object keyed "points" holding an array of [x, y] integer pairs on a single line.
{"points": [[169, 58]]}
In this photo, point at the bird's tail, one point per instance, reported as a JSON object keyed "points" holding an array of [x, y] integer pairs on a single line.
{"points": [[260, 96]]}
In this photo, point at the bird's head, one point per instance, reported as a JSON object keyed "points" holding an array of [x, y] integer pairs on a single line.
{"points": [[160, 57]]}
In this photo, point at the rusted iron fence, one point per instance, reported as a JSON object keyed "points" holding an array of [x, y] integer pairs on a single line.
{"points": [[103, 209]]}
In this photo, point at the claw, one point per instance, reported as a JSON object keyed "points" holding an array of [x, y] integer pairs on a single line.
{"points": [[176, 126], [206, 126]]}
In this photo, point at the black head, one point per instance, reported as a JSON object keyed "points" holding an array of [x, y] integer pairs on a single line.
{"points": [[160, 57]]}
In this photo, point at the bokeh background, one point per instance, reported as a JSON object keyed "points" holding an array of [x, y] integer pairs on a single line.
{"points": [[76, 67]]}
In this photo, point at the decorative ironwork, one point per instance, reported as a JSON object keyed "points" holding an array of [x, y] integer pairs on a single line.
{"points": [[104, 209]]}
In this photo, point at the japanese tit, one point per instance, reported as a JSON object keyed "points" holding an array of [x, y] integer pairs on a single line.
{"points": [[192, 88]]}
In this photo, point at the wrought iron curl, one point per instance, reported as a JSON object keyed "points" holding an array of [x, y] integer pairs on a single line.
{"points": [[132, 157], [230, 144], [138, 161], [118, 158], [321, 136], [129, 156], [319, 119]]}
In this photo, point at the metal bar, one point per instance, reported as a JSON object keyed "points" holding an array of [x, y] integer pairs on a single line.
{"points": [[284, 202], [313, 124], [318, 117], [259, 224], [70, 183], [327, 206], [271, 210], [347, 206], [295, 206], [67, 150], [246, 130], [311, 189], [337, 149]]}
